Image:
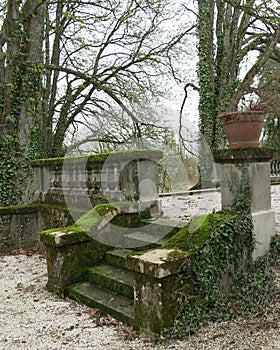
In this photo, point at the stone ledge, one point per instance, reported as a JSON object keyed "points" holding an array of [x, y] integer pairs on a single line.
{"points": [[158, 263], [128, 155], [243, 155], [57, 238]]}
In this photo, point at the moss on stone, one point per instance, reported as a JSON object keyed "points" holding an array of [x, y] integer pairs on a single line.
{"points": [[136, 154], [19, 209], [78, 231], [156, 303], [195, 234], [103, 209], [60, 237], [176, 254], [243, 155], [112, 278], [68, 264], [86, 222], [101, 157]]}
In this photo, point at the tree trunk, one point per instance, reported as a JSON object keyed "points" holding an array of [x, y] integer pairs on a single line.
{"points": [[21, 95]]}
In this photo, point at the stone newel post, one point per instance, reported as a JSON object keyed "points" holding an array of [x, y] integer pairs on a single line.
{"points": [[245, 185]]}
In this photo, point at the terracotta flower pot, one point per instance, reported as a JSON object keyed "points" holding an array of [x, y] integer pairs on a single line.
{"points": [[243, 128]]}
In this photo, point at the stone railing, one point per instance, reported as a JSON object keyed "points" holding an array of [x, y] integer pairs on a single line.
{"points": [[117, 176], [275, 170]]}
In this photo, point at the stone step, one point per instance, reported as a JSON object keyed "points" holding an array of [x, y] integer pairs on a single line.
{"points": [[140, 240], [118, 257], [164, 226], [152, 235], [113, 278], [110, 286], [92, 295]]}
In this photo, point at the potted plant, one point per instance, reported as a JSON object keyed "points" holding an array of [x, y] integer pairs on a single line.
{"points": [[243, 128]]}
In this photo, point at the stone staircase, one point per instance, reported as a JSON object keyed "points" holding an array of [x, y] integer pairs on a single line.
{"points": [[110, 285]]}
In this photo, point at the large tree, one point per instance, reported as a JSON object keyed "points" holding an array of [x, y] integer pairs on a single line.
{"points": [[64, 63], [269, 92], [104, 54], [21, 59], [235, 40]]}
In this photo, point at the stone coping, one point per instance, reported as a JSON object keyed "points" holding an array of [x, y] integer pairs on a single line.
{"points": [[128, 155], [243, 155], [59, 238], [33, 208], [158, 263]]}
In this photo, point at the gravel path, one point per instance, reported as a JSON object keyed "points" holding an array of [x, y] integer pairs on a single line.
{"points": [[33, 319]]}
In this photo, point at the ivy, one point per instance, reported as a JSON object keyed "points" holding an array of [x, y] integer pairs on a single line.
{"points": [[227, 256], [9, 168], [20, 104], [212, 272]]}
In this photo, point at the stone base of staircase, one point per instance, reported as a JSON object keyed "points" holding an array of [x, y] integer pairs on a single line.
{"points": [[109, 287], [118, 281]]}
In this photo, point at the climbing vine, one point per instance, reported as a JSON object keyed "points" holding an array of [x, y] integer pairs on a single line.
{"points": [[17, 147], [225, 280], [214, 268]]}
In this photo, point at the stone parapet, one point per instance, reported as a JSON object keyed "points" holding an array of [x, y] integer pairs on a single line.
{"points": [[19, 225], [89, 180]]}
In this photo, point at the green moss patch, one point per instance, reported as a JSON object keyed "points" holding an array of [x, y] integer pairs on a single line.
{"points": [[87, 223], [101, 157], [61, 237], [196, 233]]}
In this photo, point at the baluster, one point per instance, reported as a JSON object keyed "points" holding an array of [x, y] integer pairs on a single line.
{"points": [[116, 177], [272, 170], [89, 178], [52, 178]]}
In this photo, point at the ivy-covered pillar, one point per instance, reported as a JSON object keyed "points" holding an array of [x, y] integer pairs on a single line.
{"points": [[245, 186]]}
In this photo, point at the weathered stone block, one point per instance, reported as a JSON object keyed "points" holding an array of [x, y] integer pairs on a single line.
{"points": [[69, 254], [158, 263], [245, 185], [20, 225], [157, 286], [264, 230]]}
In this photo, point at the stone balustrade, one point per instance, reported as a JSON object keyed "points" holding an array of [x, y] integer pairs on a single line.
{"points": [[275, 171], [116, 176]]}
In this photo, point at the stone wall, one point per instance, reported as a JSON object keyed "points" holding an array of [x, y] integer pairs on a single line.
{"points": [[78, 183], [20, 226]]}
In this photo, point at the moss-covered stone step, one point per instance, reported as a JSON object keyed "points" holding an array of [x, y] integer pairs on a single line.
{"points": [[118, 257], [152, 235], [94, 296], [111, 277], [164, 227], [141, 240]]}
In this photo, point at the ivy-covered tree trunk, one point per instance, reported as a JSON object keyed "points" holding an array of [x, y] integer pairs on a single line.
{"points": [[20, 95], [206, 71], [227, 35]]}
